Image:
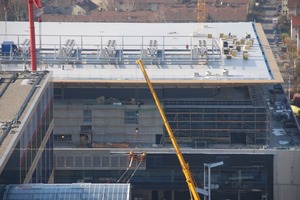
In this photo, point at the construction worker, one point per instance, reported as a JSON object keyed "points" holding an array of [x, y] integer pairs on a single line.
{"points": [[143, 156], [131, 155]]}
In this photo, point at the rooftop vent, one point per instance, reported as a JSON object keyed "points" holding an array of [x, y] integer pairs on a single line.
{"points": [[207, 73], [225, 72], [27, 82], [245, 55], [3, 125], [197, 34]]}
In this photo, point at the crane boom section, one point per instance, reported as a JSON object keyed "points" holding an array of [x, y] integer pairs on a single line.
{"points": [[37, 3], [30, 4], [184, 165]]}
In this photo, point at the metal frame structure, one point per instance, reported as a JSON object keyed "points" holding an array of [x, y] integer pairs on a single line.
{"points": [[200, 50]]}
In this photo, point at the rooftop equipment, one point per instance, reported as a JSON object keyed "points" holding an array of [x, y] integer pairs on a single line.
{"points": [[67, 49], [25, 47], [152, 47], [110, 47], [8, 48]]}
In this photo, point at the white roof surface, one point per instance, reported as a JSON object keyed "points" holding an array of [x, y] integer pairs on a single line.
{"points": [[260, 67]]}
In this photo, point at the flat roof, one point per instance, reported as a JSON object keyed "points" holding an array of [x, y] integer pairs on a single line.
{"points": [[19, 91], [171, 52]]}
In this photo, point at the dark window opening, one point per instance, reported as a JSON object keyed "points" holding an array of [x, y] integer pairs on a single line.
{"points": [[86, 129], [238, 138], [87, 116], [131, 116], [62, 138]]}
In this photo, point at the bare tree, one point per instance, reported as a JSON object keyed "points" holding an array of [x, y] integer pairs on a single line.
{"points": [[49, 3], [4, 3], [130, 5], [182, 1], [3, 9], [112, 4], [16, 9], [160, 14]]}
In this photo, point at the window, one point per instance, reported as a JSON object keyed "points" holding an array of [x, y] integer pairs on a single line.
{"points": [[131, 117], [62, 137], [87, 116], [86, 129]]}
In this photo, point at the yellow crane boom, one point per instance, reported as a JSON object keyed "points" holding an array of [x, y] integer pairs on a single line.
{"points": [[185, 168]]}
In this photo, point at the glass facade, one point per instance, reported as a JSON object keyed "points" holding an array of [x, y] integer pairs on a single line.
{"points": [[87, 116], [68, 191], [197, 116], [44, 167], [33, 134], [246, 174]]}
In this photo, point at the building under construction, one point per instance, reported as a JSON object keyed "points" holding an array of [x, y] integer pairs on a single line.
{"points": [[215, 82]]}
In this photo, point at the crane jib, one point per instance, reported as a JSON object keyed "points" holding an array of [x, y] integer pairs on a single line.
{"points": [[185, 168]]}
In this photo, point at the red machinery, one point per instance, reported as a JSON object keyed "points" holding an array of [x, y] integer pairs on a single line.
{"points": [[38, 5]]}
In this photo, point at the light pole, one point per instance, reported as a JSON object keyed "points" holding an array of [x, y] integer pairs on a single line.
{"points": [[209, 186], [289, 89]]}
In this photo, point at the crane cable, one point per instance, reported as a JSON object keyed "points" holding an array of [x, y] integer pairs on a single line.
{"points": [[142, 157], [131, 156], [134, 172]]}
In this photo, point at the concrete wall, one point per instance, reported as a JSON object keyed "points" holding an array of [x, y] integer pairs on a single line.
{"points": [[68, 119], [287, 175]]}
